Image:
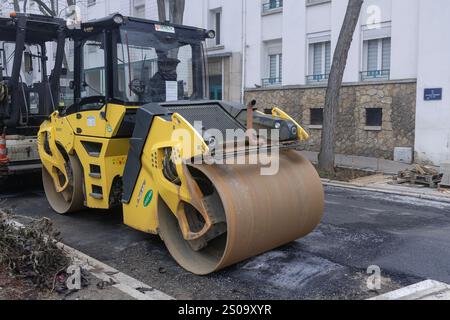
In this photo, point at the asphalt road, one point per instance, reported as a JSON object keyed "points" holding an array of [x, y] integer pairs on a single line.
{"points": [[407, 238]]}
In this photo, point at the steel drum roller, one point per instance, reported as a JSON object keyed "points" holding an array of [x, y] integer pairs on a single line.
{"points": [[262, 212]]}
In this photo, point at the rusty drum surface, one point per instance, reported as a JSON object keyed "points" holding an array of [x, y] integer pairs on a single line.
{"points": [[262, 212]]}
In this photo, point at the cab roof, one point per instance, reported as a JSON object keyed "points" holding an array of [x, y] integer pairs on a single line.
{"points": [[39, 28], [137, 24]]}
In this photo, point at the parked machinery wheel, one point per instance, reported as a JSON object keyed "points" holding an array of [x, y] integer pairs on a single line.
{"points": [[72, 198]]}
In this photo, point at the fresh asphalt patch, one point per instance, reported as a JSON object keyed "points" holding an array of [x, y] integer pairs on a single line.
{"points": [[407, 239]]}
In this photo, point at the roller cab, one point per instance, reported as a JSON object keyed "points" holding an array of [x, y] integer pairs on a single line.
{"points": [[219, 182]]}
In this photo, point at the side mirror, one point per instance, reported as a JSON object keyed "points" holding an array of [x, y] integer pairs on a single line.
{"points": [[28, 65]]}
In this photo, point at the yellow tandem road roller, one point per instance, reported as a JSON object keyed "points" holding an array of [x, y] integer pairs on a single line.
{"points": [[138, 132]]}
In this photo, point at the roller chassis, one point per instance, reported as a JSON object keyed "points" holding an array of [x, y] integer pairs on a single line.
{"points": [[143, 156]]}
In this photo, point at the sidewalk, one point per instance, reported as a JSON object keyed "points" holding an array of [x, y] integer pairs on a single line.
{"points": [[380, 182], [362, 163]]}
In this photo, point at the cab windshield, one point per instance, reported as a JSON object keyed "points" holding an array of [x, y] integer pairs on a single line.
{"points": [[157, 66]]}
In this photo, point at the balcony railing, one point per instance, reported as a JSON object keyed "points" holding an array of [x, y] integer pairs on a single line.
{"points": [[270, 82], [317, 78], [271, 5], [375, 75]]}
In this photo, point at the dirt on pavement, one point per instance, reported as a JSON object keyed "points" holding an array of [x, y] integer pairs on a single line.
{"points": [[14, 288]]}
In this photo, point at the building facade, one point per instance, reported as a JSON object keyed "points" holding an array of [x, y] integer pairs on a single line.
{"points": [[396, 83]]}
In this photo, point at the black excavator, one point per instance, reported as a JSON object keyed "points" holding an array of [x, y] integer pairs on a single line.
{"points": [[31, 63]]}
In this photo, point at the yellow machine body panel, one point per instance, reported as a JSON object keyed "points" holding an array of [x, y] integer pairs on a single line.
{"points": [[103, 123], [89, 136], [178, 135]]}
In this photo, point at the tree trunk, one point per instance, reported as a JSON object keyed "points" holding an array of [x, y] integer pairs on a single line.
{"points": [[162, 10], [16, 6], [327, 151], [176, 11]]}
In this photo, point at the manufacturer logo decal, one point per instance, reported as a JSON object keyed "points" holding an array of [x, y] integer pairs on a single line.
{"points": [[141, 193], [148, 198]]}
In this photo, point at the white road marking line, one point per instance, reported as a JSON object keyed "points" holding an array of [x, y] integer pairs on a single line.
{"points": [[102, 271], [426, 290], [332, 202]]}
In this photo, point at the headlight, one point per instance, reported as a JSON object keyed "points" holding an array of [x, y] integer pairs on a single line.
{"points": [[211, 34], [118, 19], [211, 142]]}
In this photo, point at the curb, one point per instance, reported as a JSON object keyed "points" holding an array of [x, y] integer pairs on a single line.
{"points": [[126, 284], [417, 195], [426, 290]]}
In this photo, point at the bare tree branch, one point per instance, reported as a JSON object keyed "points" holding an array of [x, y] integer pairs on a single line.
{"points": [[45, 9]]}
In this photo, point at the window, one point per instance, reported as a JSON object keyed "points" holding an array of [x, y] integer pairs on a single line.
{"points": [[377, 59], [275, 75], [374, 117], [148, 71], [93, 72], [314, 2], [67, 93], [216, 25], [319, 61], [215, 79], [316, 117], [139, 11], [91, 3], [272, 4]]}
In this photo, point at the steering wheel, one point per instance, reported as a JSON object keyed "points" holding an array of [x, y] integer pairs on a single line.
{"points": [[137, 86]]}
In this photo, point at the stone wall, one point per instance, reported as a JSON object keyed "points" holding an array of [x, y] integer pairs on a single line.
{"points": [[353, 137]]}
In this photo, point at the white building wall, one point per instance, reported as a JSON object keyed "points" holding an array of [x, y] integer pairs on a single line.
{"points": [[433, 118], [418, 29], [294, 40], [405, 30], [254, 56]]}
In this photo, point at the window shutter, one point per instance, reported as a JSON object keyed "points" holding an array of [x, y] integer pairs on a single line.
{"points": [[273, 66], [386, 62], [317, 64], [372, 55], [327, 57], [280, 66]]}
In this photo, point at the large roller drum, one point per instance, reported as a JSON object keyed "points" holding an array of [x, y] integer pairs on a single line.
{"points": [[262, 212], [71, 199]]}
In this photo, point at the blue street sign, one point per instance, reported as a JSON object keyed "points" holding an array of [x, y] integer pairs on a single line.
{"points": [[434, 94]]}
